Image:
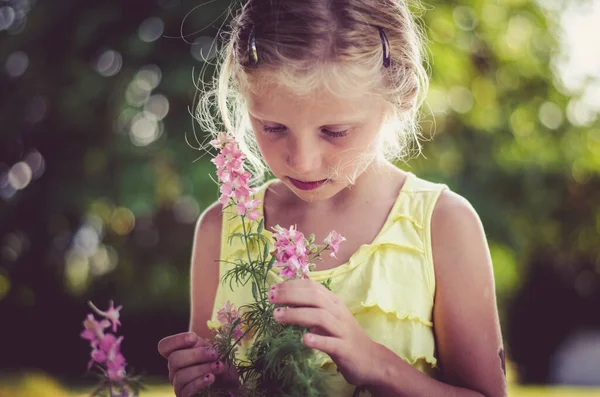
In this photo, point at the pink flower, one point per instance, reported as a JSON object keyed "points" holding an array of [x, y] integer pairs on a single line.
{"points": [[333, 240], [98, 356], [249, 209], [229, 159], [116, 373], [291, 253], [94, 330], [111, 314], [223, 138], [227, 316]]}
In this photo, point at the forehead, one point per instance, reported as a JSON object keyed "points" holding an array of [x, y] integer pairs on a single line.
{"points": [[279, 103]]}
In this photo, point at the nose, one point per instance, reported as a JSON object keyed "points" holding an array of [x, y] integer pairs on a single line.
{"points": [[304, 157]]}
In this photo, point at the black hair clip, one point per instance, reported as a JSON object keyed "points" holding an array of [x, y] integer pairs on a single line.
{"points": [[386, 48], [252, 52]]}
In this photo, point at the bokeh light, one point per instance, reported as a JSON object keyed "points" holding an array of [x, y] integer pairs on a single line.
{"points": [[551, 115], [109, 63], [151, 74], [37, 109], [186, 209], [36, 162], [20, 175], [103, 261], [16, 64], [122, 221], [7, 17], [204, 48], [460, 99], [157, 107], [145, 130], [77, 271], [465, 18], [138, 92], [151, 29], [13, 246], [4, 286]]}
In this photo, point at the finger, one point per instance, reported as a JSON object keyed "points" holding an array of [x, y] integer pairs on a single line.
{"points": [[303, 293], [317, 330], [187, 375], [327, 344], [309, 317], [175, 342], [197, 385], [180, 359]]}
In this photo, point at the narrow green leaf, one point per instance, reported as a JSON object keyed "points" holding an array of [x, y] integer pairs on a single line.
{"points": [[255, 291], [270, 265], [266, 252], [261, 224]]}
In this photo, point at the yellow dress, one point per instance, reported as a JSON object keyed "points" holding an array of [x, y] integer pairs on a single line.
{"points": [[388, 285]]}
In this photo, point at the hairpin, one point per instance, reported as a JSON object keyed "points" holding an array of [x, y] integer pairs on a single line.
{"points": [[386, 48], [252, 52]]}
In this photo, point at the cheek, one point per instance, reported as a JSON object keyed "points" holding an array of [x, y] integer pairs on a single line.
{"points": [[269, 149]]}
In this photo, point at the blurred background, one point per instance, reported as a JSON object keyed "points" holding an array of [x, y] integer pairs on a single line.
{"points": [[101, 181]]}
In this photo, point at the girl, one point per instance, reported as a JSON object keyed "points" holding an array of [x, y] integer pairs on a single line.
{"points": [[326, 93]]}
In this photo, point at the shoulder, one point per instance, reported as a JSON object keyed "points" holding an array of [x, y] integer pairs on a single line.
{"points": [[209, 224], [453, 211], [457, 234]]}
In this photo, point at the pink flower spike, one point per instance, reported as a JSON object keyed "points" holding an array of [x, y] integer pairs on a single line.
{"points": [[111, 314], [334, 239]]}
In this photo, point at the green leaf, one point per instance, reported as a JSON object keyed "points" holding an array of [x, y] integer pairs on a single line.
{"points": [[270, 265], [261, 224], [255, 291], [266, 252]]}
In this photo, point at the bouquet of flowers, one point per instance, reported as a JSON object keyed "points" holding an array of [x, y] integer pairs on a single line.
{"points": [[106, 355], [277, 363]]}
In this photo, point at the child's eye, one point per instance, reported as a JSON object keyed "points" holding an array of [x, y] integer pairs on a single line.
{"points": [[332, 134], [335, 134], [273, 129]]}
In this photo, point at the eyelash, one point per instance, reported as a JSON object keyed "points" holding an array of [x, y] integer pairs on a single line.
{"points": [[332, 134]]}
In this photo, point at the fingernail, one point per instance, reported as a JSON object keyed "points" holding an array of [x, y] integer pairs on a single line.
{"points": [[272, 295], [217, 365], [273, 288], [206, 379]]}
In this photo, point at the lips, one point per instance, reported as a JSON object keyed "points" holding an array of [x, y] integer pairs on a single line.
{"points": [[303, 185]]}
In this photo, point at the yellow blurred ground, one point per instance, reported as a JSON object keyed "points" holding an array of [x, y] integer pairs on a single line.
{"points": [[40, 385]]}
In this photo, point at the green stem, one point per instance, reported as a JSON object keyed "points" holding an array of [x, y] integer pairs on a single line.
{"points": [[250, 259]]}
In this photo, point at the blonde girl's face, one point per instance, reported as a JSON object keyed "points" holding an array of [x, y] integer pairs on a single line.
{"points": [[317, 144]]}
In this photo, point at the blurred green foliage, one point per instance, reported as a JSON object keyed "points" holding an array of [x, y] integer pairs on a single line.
{"points": [[96, 102]]}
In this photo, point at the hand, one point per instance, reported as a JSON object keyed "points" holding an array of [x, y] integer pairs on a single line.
{"points": [[193, 364], [333, 329]]}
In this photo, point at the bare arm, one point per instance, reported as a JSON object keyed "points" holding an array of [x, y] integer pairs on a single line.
{"points": [[466, 322], [204, 271]]}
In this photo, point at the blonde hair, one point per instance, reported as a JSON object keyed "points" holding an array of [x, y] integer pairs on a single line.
{"points": [[308, 44]]}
